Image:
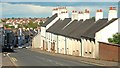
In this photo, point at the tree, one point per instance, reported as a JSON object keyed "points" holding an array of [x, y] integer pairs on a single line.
{"points": [[32, 25], [115, 39], [40, 23], [7, 26]]}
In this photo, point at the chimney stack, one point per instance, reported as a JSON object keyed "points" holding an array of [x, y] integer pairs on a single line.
{"points": [[63, 13], [54, 11], [74, 15], [99, 14], [86, 14], [80, 15], [112, 13]]}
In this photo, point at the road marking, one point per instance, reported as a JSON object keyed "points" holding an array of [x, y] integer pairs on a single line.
{"points": [[14, 59], [50, 60], [55, 62], [8, 54], [58, 63]]}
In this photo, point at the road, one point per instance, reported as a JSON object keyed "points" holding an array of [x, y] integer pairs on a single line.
{"points": [[26, 57]]}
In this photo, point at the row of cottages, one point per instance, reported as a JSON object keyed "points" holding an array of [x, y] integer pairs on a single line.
{"points": [[78, 35]]}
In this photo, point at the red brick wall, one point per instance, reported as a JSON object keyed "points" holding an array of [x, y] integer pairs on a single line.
{"points": [[109, 52]]}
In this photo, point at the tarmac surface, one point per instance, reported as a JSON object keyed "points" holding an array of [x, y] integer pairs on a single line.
{"points": [[32, 58]]}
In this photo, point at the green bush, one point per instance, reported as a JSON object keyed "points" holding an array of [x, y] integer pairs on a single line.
{"points": [[115, 39]]}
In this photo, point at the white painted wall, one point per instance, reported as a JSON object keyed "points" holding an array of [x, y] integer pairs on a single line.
{"points": [[43, 32], [69, 46], [89, 48], [61, 44], [48, 37], [54, 39], [73, 45], [107, 32], [36, 41]]}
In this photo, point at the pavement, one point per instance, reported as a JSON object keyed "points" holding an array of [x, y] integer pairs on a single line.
{"points": [[109, 64]]}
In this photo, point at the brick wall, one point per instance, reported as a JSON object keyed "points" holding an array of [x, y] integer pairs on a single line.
{"points": [[109, 51]]}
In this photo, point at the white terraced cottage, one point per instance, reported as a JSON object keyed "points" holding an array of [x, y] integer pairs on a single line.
{"points": [[79, 35]]}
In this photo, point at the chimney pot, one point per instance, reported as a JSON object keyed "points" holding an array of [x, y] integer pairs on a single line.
{"points": [[100, 10], [73, 11], [81, 12], [87, 11], [114, 8], [111, 8], [97, 10]]}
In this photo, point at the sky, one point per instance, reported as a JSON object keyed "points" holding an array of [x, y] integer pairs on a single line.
{"points": [[59, 0], [44, 9]]}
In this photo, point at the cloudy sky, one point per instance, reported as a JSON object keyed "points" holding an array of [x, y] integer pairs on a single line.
{"points": [[59, 0], [44, 9]]}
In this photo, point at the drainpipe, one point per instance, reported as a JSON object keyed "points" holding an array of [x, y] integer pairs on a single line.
{"points": [[51, 42], [65, 46], [81, 46], [57, 44]]}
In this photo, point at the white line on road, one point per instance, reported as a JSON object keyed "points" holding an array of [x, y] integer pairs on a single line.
{"points": [[55, 62], [12, 60], [58, 63]]}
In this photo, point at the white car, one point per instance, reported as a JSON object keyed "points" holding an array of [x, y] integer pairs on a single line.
{"points": [[20, 47]]}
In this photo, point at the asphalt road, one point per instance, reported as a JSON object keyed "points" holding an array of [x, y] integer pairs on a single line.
{"points": [[25, 57]]}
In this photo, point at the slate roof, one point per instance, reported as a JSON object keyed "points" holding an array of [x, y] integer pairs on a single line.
{"points": [[69, 27], [55, 28], [49, 20], [62, 25], [100, 24], [77, 29], [77, 33]]}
